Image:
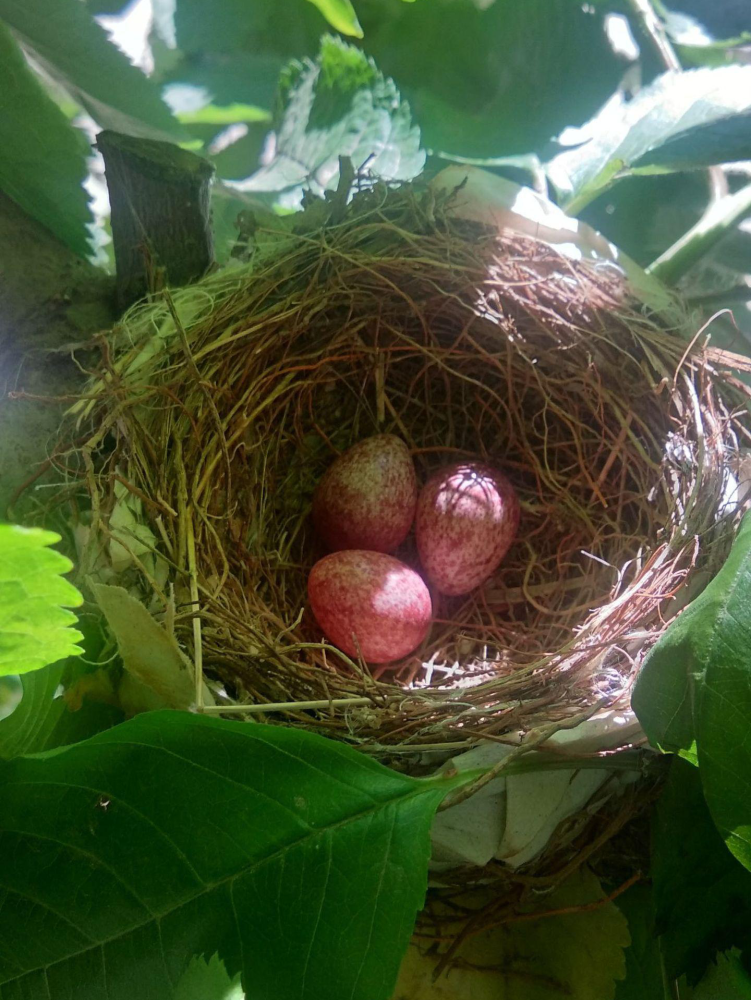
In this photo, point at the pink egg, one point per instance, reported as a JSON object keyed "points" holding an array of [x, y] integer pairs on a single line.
{"points": [[366, 499], [467, 517], [369, 604]]}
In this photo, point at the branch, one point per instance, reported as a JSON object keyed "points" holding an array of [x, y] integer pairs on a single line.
{"points": [[716, 222], [159, 195], [654, 30]]}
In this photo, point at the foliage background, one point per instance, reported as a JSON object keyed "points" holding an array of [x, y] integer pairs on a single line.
{"points": [[187, 865]]}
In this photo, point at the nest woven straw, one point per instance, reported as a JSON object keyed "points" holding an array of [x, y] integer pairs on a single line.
{"points": [[220, 406]]}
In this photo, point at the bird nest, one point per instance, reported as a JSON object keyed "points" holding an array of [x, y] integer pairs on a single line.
{"points": [[218, 407]]}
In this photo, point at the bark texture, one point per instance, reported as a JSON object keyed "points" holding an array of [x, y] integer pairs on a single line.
{"points": [[50, 301], [161, 228]]}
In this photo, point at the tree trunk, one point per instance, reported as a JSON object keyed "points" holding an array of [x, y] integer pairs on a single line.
{"points": [[50, 301]]}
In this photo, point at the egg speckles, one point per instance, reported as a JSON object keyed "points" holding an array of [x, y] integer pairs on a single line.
{"points": [[369, 604], [467, 517], [366, 499]]}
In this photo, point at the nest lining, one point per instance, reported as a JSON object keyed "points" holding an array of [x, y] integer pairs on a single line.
{"points": [[220, 407]]}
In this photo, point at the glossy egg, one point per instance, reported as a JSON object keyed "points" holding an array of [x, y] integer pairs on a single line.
{"points": [[467, 517], [369, 604], [367, 498]]}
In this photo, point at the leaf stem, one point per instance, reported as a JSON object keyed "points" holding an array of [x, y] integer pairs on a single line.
{"points": [[654, 29], [719, 218]]}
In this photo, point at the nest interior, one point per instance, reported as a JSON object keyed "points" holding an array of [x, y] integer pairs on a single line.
{"points": [[217, 409]]}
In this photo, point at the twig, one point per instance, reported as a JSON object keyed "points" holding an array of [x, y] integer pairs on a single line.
{"points": [[290, 706], [719, 218], [652, 26], [533, 740], [654, 30]]}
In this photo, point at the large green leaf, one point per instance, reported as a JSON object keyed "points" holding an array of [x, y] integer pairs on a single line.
{"points": [[290, 28], [483, 79], [297, 860], [710, 633], [43, 719], [64, 38], [724, 716], [628, 137], [492, 79], [42, 167], [724, 140], [339, 106], [35, 625], [702, 895], [644, 974], [726, 980]]}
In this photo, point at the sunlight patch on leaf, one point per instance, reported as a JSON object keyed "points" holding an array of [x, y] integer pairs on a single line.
{"points": [[664, 127], [36, 627], [341, 15], [339, 105], [75, 50]]}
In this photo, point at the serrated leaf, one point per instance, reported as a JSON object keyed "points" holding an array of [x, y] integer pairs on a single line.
{"points": [[673, 680], [297, 860], [578, 955], [341, 15], [75, 50], [625, 133], [43, 167], [42, 721], [339, 106], [210, 980], [35, 626], [702, 895], [644, 979], [727, 979]]}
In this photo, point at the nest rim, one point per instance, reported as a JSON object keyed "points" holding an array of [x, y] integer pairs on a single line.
{"points": [[507, 284]]}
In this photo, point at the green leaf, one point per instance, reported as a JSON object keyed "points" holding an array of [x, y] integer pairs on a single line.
{"points": [[726, 140], [702, 895], [149, 653], [339, 106], [222, 80], [299, 861], [724, 717], [287, 28], [627, 133], [577, 955], [42, 168], [35, 627], [75, 50], [210, 980], [230, 114], [718, 53], [727, 980], [492, 79], [673, 679], [341, 15], [644, 977], [42, 721]]}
